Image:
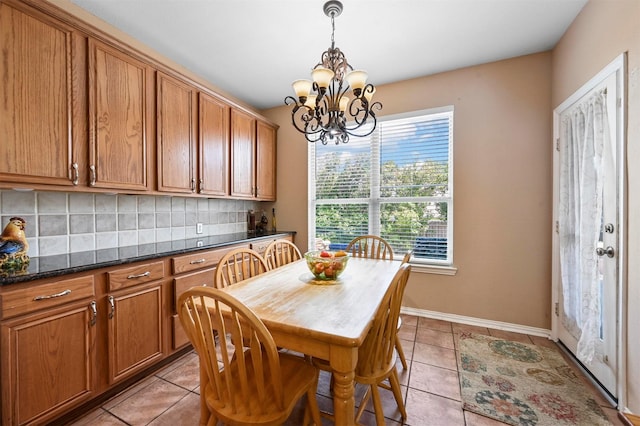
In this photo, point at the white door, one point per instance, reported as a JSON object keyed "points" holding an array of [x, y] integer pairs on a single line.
{"points": [[588, 214]]}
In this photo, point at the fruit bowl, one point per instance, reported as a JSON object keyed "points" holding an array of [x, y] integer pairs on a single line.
{"points": [[326, 265]]}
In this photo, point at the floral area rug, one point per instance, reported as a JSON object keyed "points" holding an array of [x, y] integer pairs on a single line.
{"points": [[522, 384]]}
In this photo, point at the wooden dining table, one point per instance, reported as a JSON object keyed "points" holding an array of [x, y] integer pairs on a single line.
{"points": [[327, 320]]}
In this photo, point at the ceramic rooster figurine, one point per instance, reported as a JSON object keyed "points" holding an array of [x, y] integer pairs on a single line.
{"points": [[14, 245]]}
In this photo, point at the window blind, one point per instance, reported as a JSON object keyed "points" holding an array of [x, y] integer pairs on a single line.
{"points": [[394, 183]]}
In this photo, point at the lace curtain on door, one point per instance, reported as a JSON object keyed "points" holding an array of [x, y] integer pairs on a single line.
{"points": [[585, 134]]}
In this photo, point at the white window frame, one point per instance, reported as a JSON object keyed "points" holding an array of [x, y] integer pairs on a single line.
{"points": [[437, 266]]}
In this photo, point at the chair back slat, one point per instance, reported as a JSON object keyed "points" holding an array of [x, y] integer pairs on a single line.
{"points": [[370, 246], [281, 252], [238, 265], [244, 379]]}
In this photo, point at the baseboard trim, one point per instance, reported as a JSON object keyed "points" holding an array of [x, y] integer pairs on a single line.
{"points": [[498, 325]]}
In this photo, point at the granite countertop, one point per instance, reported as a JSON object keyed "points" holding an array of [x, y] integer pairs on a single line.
{"points": [[52, 266]]}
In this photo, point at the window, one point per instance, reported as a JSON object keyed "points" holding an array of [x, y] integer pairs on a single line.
{"points": [[395, 183]]}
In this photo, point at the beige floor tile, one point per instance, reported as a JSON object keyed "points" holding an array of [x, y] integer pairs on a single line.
{"points": [[129, 392], [389, 406], [543, 341], [142, 407], [427, 409], [435, 337], [466, 328], [434, 324], [407, 332], [409, 319], [435, 355], [407, 347], [435, 380], [612, 414], [98, 417], [510, 335], [187, 374], [185, 412]]}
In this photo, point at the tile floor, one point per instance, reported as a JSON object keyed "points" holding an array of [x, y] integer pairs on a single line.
{"points": [[431, 388]]}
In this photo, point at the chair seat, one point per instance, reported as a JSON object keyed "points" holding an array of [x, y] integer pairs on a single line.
{"points": [[296, 373]]}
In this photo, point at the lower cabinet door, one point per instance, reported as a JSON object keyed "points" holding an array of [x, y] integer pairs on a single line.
{"points": [[47, 363], [135, 330]]}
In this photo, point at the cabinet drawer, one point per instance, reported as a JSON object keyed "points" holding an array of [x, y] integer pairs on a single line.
{"points": [[44, 296], [197, 279], [199, 260], [135, 275], [261, 246], [179, 335]]}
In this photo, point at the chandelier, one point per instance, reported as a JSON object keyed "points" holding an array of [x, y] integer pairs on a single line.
{"points": [[337, 103]]}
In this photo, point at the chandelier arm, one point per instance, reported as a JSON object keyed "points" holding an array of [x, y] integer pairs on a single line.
{"points": [[302, 117]]}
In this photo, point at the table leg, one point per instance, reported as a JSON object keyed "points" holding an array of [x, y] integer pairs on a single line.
{"points": [[343, 363]]}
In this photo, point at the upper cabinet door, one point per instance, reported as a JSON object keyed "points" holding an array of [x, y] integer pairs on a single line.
{"points": [[118, 106], [265, 161], [176, 103], [36, 95], [242, 154], [213, 146]]}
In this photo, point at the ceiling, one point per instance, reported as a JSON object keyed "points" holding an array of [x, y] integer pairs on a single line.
{"points": [[254, 49]]}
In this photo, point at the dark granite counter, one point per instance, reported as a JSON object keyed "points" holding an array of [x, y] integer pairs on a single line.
{"points": [[52, 266]]}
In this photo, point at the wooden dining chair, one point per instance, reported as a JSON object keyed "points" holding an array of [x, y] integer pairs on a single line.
{"points": [[238, 265], [374, 247], [407, 256], [280, 252], [254, 385], [370, 246], [377, 355]]}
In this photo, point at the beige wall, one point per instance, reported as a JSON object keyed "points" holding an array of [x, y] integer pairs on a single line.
{"points": [[502, 180], [603, 30]]}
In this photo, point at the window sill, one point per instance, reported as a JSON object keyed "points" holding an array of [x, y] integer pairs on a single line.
{"points": [[433, 269]]}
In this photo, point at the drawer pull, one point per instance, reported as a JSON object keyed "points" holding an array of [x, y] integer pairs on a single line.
{"points": [[146, 274], [52, 296], [195, 262]]}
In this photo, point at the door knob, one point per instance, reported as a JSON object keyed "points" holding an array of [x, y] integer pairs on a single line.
{"points": [[609, 251]]}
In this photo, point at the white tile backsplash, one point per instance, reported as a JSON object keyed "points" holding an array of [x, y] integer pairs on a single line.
{"points": [[59, 222]]}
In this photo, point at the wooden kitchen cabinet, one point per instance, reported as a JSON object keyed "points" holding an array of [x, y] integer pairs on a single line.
{"points": [[190, 270], [253, 150], [202, 278], [243, 140], [135, 325], [38, 93], [176, 135], [260, 245], [120, 93], [213, 146], [265, 161], [48, 356]]}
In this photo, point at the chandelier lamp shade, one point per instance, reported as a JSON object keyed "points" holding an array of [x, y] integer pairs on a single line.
{"points": [[337, 102]]}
